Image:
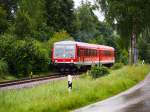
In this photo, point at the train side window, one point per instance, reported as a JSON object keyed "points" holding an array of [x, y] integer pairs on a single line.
{"points": [[93, 53], [107, 53], [85, 52], [78, 53], [96, 52], [90, 52]]}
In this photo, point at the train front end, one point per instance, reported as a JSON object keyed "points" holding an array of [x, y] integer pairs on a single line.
{"points": [[64, 56]]}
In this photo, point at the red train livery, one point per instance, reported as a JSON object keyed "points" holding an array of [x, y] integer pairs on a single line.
{"points": [[72, 55]]}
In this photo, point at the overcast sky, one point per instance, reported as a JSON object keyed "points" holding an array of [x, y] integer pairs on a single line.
{"points": [[97, 13]]}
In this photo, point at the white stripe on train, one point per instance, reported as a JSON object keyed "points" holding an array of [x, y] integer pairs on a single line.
{"points": [[90, 62]]}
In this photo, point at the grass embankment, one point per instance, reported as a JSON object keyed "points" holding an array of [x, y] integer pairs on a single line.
{"points": [[54, 96]]}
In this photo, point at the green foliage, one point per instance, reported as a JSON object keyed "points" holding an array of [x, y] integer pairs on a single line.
{"points": [[8, 5], [59, 36], [124, 56], [144, 46], [60, 15], [36, 11], [87, 25], [43, 33], [23, 25], [37, 14], [98, 40], [40, 58], [127, 14], [6, 45], [3, 20], [3, 68], [23, 56], [117, 66], [97, 71]]}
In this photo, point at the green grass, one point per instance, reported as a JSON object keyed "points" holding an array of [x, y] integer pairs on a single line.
{"points": [[54, 96], [7, 77]]}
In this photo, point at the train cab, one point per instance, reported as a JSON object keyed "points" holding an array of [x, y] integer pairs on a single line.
{"points": [[64, 55]]}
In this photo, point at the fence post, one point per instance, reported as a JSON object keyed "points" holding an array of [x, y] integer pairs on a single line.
{"points": [[69, 83]]}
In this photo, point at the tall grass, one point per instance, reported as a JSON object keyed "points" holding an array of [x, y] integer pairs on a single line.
{"points": [[54, 96]]}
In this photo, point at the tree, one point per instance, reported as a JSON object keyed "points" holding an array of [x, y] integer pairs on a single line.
{"points": [[60, 15], [144, 45], [23, 56], [131, 16], [11, 7], [86, 22], [3, 20], [31, 15], [35, 9], [23, 24]]}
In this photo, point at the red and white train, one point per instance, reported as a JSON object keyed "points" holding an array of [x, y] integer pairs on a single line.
{"points": [[72, 55]]}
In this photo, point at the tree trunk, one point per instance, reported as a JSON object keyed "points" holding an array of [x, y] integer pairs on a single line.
{"points": [[133, 52]]}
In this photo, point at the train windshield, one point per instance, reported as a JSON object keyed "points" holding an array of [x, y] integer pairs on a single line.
{"points": [[64, 51]]}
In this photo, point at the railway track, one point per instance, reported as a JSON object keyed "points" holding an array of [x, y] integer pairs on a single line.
{"points": [[28, 80]]}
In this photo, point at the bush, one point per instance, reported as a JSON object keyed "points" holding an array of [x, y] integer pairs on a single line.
{"points": [[97, 71], [30, 56], [23, 56], [124, 56], [117, 66], [3, 68]]}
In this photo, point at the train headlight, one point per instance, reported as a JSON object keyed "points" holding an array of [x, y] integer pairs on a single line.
{"points": [[56, 61], [71, 60]]}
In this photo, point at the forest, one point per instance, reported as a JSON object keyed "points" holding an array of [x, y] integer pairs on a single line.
{"points": [[28, 29]]}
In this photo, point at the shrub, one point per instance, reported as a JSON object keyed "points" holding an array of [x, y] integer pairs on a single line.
{"points": [[97, 71], [124, 56], [3, 68], [117, 66], [23, 56], [30, 56]]}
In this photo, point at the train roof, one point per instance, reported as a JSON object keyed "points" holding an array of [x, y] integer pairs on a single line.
{"points": [[82, 44]]}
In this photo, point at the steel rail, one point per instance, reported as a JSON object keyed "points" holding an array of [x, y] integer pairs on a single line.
{"points": [[29, 80]]}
